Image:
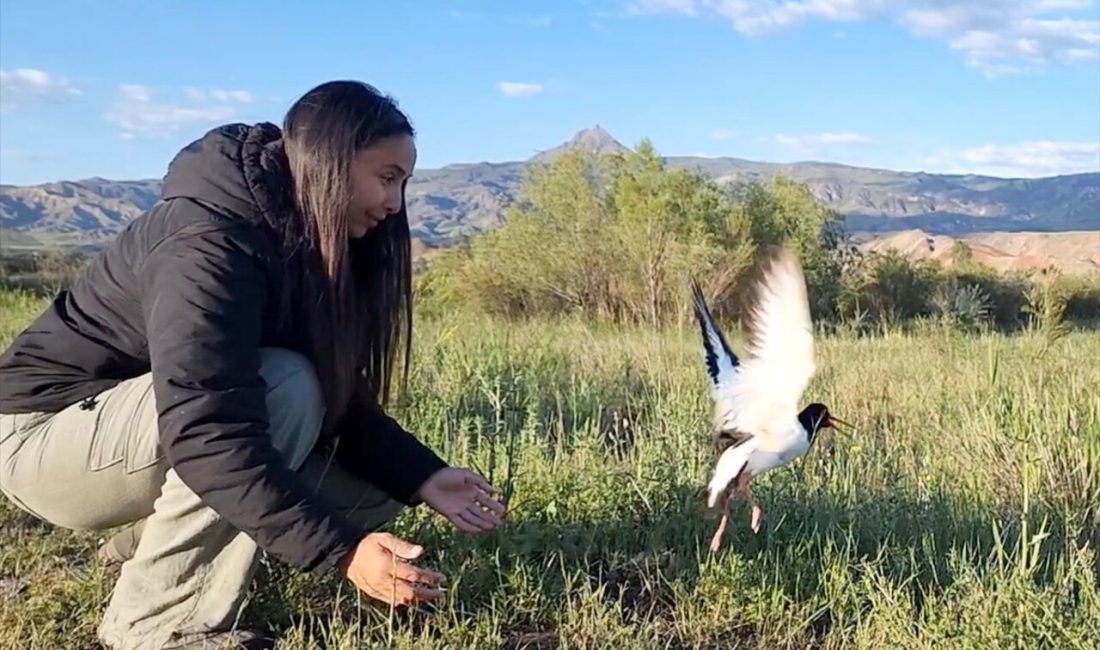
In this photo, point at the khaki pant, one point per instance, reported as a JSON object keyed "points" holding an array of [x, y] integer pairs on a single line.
{"points": [[100, 468]]}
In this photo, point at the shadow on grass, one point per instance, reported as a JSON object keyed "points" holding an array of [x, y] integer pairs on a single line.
{"points": [[645, 563], [642, 563]]}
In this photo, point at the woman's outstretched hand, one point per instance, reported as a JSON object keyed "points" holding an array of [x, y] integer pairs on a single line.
{"points": [[379, 567], [464, 498]]}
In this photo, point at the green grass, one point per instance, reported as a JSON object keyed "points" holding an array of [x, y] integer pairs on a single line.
{"points": [[964, 513]]}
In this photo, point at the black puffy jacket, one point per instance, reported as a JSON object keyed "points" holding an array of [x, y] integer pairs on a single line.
{"points": [[190, 291]]}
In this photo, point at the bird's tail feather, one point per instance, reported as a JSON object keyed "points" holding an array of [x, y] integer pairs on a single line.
{"points": [[729, 465]]}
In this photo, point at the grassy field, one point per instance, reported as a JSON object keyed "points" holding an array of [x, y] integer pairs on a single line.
{"points": [[963, 513]]}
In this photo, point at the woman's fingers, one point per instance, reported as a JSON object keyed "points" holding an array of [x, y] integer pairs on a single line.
{"points": [[421, 593], [485, 494], [399, 547], [403, 593], [481, 483], [478, 518], [463, 520], [492, 504], [412, 574], [484, 517]]}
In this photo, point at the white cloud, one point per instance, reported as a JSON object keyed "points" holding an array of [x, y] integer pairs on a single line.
{"points": [[218, 95], [141, 116], [753, 18], [531, 21], [723, 134], [1024, 159], [23, 86], [995, 36], [814, 141], [1005, 39], [643, 7], [519, 88]]}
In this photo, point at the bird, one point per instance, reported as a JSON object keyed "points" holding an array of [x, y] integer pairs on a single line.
{"points": [[758, 425]]}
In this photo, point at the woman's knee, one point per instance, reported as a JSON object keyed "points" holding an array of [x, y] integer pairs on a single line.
{"points": [[295, 403]]}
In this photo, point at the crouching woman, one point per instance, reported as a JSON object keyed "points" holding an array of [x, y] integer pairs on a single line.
{"points": [[216, 380]]}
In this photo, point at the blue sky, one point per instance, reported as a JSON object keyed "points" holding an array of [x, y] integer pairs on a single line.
{"points": [[1010, 88]]}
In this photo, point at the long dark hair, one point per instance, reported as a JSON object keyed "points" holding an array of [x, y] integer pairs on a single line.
{"points": [[362, 287]]}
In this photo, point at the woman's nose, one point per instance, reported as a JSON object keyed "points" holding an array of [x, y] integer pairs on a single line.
{"points": [[393, 202]]}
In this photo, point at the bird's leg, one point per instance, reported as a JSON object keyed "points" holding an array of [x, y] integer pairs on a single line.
{"points": [[716, 541], [739, 487], [757, 511]]}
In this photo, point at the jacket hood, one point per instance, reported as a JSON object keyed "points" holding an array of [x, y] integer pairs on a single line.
{"points": [[241, 168]]}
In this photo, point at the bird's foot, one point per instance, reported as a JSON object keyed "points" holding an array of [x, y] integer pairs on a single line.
{"points": [[716, 541], [757, 514]]}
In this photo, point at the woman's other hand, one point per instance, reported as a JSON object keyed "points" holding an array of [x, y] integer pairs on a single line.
{"points": [[379, 567], [464, 498]]}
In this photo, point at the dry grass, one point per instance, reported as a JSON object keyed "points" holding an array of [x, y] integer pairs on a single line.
{"points": [[964, 513]]}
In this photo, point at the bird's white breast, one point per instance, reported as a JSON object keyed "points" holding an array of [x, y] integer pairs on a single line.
{"points": [[791, 443]]}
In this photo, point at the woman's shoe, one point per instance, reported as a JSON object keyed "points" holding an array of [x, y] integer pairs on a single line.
{"points": [[234, 640]]}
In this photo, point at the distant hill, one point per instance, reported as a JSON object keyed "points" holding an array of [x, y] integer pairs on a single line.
{"points": [[71, 212], [453, 202], [593, 139], [1074, 253]]}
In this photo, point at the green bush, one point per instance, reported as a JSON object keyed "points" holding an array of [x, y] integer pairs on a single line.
{"points": [[614, 238]]}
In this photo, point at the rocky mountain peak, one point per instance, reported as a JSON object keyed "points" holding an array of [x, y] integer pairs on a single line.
{"points": [[594, 138]]}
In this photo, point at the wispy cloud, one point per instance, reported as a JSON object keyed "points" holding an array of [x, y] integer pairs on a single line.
{"points": [[816, 141], [1005, 37], [139, 115], [994, 36], [1024, 159], [723, 134], [760, 17], [519, 88], [644, 7], [218, 95], [24, 86], [540, 20]]}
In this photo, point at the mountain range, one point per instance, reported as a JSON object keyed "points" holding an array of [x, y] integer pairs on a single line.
{"points": [[451, 203]]}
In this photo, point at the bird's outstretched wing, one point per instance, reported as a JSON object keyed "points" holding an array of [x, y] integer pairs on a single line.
{"points": [[763, 398], [721, 361]]}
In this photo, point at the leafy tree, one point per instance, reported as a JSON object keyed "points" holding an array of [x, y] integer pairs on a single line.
{"points": [[669, 224], [785, 210]]}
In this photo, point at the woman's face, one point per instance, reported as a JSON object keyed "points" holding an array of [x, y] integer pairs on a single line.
{"points": [[377, 175]]}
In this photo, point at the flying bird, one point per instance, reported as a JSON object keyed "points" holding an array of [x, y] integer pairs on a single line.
{"points": [[758, 425]]}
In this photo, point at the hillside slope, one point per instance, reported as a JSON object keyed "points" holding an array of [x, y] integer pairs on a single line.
{"points": [[1069, 252], [456, 201]]}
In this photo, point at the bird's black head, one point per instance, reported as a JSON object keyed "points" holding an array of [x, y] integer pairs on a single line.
{"points": [[816, 416]]}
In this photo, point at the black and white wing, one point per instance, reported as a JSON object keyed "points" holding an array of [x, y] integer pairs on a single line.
{"points": [[764, 395], [721, 361]]}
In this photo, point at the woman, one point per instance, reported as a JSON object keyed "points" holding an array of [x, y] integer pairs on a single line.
{"points": [[218, 376]]}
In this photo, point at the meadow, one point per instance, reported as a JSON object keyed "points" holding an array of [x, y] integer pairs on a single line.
{"points": [[963, 511]]}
